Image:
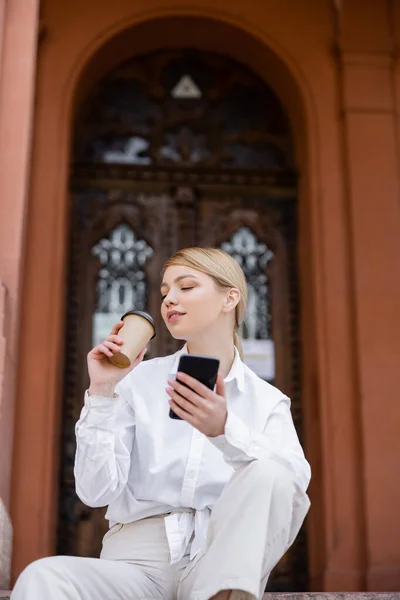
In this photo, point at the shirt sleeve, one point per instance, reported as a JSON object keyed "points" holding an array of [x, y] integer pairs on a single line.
{"points": [[104, 440], [241, 445]]}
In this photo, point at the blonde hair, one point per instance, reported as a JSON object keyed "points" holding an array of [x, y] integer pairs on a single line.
{"points": [[223, 269]]}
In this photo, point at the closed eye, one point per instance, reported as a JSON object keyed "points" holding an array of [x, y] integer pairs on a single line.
{"points": [[184, 289]]}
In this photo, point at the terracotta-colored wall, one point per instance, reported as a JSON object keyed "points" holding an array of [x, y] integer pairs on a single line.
{"points": [[372, 149], [296, 46], [17, 75], [18, 21]]}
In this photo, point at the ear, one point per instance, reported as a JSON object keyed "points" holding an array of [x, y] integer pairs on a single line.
{"points": [[232, 300]]}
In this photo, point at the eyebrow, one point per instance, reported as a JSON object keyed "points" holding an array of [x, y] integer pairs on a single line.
{"points": [[164, 284]]}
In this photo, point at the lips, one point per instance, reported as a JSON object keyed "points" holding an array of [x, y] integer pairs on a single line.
{"points": [[173, 315]]}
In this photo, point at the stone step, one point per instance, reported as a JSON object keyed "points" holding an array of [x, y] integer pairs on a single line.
{"points": [[333, 596], [4, 595]]}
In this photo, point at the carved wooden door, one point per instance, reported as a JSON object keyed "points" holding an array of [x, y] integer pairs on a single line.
{"points": [[174, 150]]}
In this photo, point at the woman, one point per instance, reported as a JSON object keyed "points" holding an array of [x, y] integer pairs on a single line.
{"points": [[199, 508]]}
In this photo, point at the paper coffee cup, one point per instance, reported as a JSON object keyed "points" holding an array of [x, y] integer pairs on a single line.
{"points": [[138, 329]]}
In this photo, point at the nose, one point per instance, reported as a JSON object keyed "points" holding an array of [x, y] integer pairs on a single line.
{"points": [[169, 300]]}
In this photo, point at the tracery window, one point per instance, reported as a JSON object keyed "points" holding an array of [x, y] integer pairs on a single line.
{"points": [[253, 256], [166, 109], [121, 280]]}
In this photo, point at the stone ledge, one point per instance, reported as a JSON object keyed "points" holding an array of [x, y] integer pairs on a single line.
{"points": [[308, 596], [333, 596]]}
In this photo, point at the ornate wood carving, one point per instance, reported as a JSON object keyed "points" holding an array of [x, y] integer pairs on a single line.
{"points": [[105, 175], [140, 114], [273, 223], [95, 214]]}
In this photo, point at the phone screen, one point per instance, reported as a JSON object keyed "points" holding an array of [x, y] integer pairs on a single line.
{"points": [[202, 368]]}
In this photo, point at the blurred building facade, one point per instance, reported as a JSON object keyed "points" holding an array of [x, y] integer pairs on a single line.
{"points": [[269, 128]]}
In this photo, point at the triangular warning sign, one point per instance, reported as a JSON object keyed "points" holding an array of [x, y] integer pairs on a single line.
{"points": [[186, 88]]}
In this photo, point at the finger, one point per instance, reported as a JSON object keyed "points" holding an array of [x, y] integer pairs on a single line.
{"points": [[220, 387], [141, 356], [180, 412], [102, 349], [116, 339], [183, 403], [116, 327], [201, 390], [111, 346], [186, 392]]}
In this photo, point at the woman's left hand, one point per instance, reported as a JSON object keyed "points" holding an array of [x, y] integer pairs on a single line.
{"points": [[198, 405]]}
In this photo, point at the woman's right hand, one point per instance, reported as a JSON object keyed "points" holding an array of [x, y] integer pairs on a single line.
{"points": [[104, 376]]}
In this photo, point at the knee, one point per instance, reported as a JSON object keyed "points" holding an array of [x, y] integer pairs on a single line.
{"points": [[269, 473], [45, 565], [39, 571]]}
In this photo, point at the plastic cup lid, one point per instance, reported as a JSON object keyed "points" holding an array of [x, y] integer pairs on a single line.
{"points": [[143, 314]]}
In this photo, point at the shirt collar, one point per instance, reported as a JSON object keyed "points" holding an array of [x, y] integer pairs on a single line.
{"points": [[236, 372]]}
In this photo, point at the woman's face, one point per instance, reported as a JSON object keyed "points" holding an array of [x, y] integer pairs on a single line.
{"points": [[192, 302]]}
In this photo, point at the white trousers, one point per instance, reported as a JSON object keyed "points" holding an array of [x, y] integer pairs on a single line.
{"points": [[251, 527]]}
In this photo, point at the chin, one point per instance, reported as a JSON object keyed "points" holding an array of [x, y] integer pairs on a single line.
{"points": [[178, 335]]}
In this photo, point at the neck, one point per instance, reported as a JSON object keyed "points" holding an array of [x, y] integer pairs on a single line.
{"points": [[221, 348]]}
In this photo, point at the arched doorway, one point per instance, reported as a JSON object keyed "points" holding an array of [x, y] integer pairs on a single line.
{"points": [[171, 149]]}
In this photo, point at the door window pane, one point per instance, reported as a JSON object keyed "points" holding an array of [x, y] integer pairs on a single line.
{"points": [[121, 281], [253, 256]]}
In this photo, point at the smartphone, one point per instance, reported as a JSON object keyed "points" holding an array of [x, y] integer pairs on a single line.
{"points": [[202, 368]]}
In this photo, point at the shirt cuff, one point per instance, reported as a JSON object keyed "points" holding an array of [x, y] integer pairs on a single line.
{"points": [[94, 401], [98, 411], [237, 441]]}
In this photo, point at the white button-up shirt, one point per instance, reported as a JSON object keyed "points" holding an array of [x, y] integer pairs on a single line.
{"points": [[134, 458]]}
